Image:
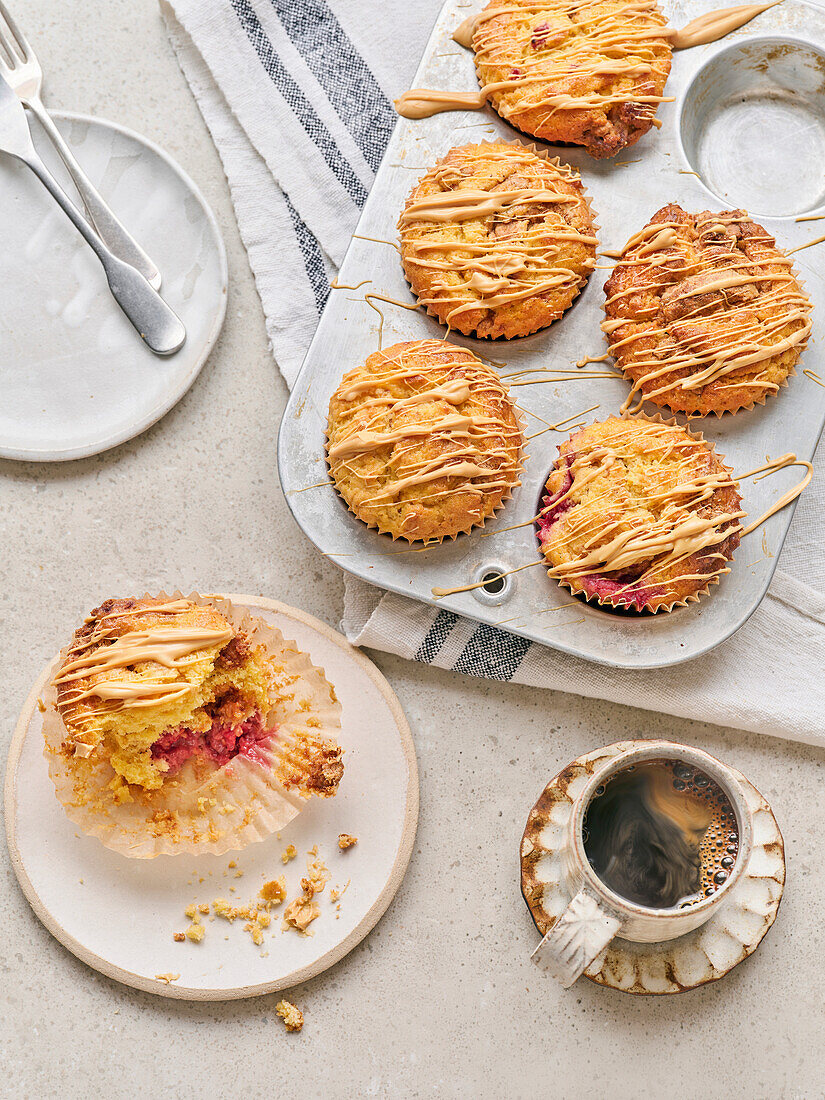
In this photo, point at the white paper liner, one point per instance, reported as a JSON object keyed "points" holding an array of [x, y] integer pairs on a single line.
{"points": [[203, 808]]}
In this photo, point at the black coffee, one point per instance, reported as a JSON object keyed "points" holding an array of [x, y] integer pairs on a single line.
{"points": [[661, 834]]}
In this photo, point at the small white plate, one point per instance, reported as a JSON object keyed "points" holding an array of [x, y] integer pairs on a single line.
{"points": [[75, 377], [119, 915]]}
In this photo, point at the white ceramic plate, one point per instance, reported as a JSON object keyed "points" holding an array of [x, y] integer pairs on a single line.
{"points": [[75, 377], [118, 915]]}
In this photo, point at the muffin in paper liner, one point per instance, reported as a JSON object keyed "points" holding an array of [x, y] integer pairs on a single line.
{"points": [[623, 279], [527, 314], [203, 807], [694, 596], [383, 523]]}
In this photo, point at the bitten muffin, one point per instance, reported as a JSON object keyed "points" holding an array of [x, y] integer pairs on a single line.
{"points": [[496, 240], [424, 441], [704, 313], [591, 74], [638, 515], [186, 720]]}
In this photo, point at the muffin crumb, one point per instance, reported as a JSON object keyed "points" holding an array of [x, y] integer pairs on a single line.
{"points": [[293, 1017]]}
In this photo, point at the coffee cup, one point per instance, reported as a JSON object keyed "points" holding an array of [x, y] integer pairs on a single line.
{"points": [[598, 912]]}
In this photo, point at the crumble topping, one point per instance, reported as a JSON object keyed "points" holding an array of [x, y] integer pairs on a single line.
{"points": [[346, 841]]}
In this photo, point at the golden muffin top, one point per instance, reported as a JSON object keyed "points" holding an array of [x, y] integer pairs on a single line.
{"points": [[704, 313], [497, 240], [638, 513], [591, 72], [423, 440]]}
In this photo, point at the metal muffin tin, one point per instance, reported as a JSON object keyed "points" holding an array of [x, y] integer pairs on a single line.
{"points": [[749, 121]]}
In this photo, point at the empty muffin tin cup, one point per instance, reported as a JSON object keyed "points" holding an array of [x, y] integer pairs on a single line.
{"points": [[752, 126]]}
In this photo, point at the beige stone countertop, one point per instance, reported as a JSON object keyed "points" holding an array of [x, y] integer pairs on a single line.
{"points": [[441, 999]]}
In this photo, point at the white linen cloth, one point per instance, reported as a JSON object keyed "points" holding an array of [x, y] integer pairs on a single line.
{"points": [[297, 97]]}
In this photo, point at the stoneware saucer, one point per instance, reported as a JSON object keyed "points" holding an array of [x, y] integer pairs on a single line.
{"points": [[76, 378], [119, 915], [701, 956]]}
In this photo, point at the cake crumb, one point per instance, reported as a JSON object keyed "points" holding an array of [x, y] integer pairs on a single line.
{"points": [[274, 891], [293, 1017], [301, 912], [290, 852], [346, 841], [232, 864], [178, 937], [167, 978], [195, 932], [191, 911]]}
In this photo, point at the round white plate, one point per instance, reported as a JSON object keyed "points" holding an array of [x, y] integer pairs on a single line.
{"points": [[119, 915], [76, 378]]}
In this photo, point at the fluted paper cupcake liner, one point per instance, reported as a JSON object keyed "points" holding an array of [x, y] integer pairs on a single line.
{"points": [[204, 808]]}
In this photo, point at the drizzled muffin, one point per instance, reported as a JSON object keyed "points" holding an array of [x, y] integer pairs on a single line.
{"points": [[496, 240], [704, 313], [589, 73], [185, 725], [638, 515], [423, 441]]}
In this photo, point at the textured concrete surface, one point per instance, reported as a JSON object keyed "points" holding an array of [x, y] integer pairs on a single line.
{"points": [[441, 999]]}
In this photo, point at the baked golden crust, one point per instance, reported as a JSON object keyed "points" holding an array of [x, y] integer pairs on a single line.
{"points": [[589, 72], [639, 515], [497, 240], [704, 313], [423, 440]]}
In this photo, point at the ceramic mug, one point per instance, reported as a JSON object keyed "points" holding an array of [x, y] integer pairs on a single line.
{"points": [[596, 913]]}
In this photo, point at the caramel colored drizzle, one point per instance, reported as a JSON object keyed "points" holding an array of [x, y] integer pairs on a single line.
{"points": [[620, 43], [172, 647], [808, 244], [656, 546], [789, 459], [525, 262], [715, 25], [707, 346], [439, 593], [472, 446], [623, 36]]}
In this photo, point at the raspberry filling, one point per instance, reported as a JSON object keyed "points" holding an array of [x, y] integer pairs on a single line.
{"points": [[219, 744], [619, 589]]}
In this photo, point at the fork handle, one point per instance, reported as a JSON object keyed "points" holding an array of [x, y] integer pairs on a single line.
{"points": [[157, 324], [113, 233]]}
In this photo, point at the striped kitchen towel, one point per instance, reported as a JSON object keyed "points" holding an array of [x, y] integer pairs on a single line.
{"points": [[297, 95]]}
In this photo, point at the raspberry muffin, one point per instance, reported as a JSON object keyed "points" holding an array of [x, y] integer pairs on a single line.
{"points": [[587, 73], [704, 313], [182, 724], [423, 441], [638, 514], [497, 240]]}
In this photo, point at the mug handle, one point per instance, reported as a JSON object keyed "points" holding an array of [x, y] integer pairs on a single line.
{"points": [[581, 932]]}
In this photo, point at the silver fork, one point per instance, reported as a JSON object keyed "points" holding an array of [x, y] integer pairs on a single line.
{"points": [[21, 69], [154, 320]]}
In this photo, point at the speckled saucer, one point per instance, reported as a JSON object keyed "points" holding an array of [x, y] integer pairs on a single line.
{"points": [[709, 952]]}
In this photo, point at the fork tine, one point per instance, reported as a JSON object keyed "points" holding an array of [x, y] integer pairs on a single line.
{"points": [[19, 39]]}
